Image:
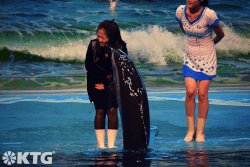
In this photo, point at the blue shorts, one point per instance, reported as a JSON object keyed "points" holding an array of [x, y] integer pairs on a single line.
{"points": [[187, 72]]}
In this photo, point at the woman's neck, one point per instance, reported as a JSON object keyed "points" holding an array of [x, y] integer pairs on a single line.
{"points": [[195, 9]]}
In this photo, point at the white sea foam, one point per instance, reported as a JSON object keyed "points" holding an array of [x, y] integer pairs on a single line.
{"points": [[65, 52], [239, 139], [211, 101], [229, 103], [233, 41], [83, 99], [153, 44], [44, 100]]}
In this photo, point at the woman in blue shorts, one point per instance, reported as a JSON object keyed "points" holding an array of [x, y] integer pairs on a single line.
{"points": [[198, 22]]}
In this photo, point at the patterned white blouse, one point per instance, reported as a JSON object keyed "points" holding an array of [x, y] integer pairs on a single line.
{"points": [[200, 60]]}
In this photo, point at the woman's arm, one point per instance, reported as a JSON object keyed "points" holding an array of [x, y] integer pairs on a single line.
{"points": [[89, 64], [219, 33], [89, 57], [182, 28]]}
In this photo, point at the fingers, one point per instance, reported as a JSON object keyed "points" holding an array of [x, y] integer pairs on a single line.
{"points": [[99, 86]]}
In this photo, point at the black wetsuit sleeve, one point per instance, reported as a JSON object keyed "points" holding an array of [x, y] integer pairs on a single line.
{"points": [[89, 62], [89, 65]]}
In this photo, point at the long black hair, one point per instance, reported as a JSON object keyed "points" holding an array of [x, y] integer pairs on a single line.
{"points": [[204, 3], [113, 32]]}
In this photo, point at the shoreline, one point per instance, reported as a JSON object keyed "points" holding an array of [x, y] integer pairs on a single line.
{"points": [[150, 89]]}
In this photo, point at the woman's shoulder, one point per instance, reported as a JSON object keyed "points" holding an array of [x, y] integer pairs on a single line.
{"points": [[180, 12], [210, 12], [93, 42], [180, 8], [211, 16]]}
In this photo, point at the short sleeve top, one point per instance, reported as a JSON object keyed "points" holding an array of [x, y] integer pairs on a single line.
{"points": [[201, 27]]}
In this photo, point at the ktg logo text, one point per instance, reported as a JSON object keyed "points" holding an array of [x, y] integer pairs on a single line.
{"points": [[10, 158]]}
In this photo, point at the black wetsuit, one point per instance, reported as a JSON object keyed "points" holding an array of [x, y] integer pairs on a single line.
{"points": [[99, 70]]}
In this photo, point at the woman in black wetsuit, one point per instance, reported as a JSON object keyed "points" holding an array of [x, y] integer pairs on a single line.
{"points": [[101, 91]]}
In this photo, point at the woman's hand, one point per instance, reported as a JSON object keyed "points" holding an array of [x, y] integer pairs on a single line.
{"points": [[219, 33], [99, 86]]}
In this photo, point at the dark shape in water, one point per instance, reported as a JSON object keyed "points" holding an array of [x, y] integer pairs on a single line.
{"points": [[132, 101], [12, 58], [26, 56]]}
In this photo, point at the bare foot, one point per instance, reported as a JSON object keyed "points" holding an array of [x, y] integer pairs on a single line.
{"points": [[189, 136], [200, 138]]}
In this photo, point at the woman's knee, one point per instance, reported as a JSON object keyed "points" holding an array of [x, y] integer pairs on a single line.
{"points": [[100, 116], [100, 113], [191, 88], [202, 95], [203, 90], [112, 113], [112, 118], [190, 94]]}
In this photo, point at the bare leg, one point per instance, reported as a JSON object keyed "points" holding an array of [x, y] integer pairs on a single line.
{"points": [[191, 89], [203, 109], [203, 98]]}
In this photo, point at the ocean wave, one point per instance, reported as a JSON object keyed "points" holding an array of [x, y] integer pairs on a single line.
{"points": [[239, 139], [28, 14], [153, 44], [84, 99], [225, 6], [12, 143], [211, 101], [229, 103], [44, 100]]}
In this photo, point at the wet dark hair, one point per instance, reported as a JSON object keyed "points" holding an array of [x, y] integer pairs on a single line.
{"points": [[204, 3], [113, 32]]}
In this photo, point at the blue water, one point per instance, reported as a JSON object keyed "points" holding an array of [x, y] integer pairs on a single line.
{"points": [[73, 15], [62, 121], [61, 30], [40, 42]]}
